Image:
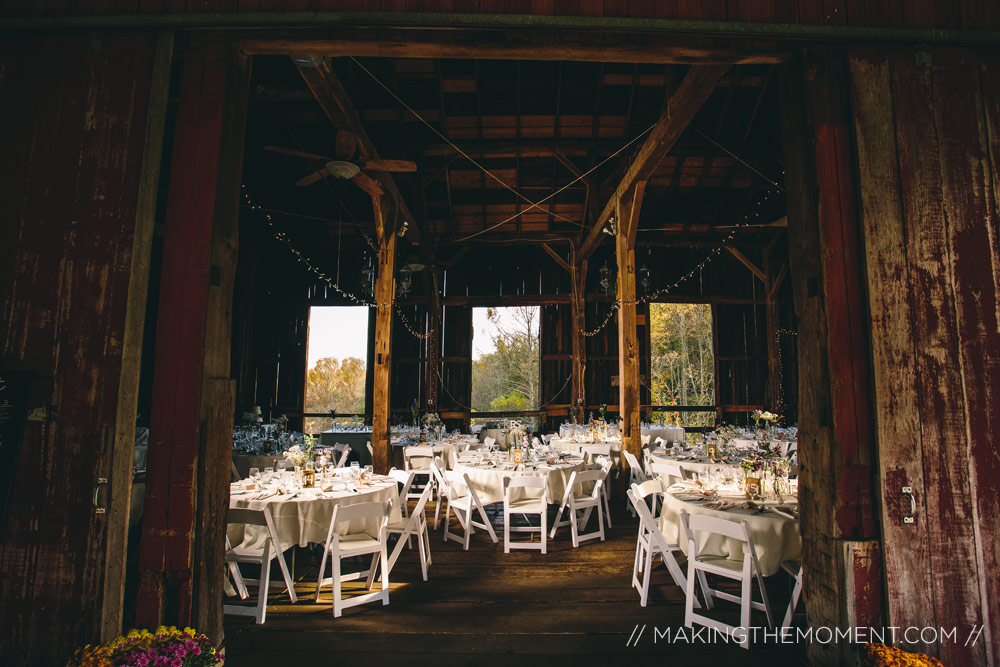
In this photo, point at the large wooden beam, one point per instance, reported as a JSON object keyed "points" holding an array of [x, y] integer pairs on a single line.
{"points": [[745, 261], [321, 45], [691, 94], [385, 294], [627, 213], [191, 418]]}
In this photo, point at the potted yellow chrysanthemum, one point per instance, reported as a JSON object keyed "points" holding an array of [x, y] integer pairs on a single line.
{"points": [[163, 647]]}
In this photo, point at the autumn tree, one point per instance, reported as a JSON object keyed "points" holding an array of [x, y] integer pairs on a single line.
{"points": [[683, 368], [335, 385], [507, 379]]}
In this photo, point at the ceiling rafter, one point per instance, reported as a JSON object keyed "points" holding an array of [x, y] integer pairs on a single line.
{"points": [[691, 94]]}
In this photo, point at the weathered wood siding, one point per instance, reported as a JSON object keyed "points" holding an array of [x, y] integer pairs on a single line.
{"points": [[966, 14], [835, 431], [928, 135], [75, 113]]}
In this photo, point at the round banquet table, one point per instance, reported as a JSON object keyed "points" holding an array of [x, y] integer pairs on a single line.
{"points": [[304, 516], [487, 479], [776, 538], [572, 446], [698, 465], [668, 433], [448, 451]]}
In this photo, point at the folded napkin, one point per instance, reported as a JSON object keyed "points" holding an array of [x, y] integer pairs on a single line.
{"points": [[787, 515], [723, 505], [265, 495]]}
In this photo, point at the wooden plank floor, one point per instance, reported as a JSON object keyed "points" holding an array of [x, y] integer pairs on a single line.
{"points": [[484, 607]]}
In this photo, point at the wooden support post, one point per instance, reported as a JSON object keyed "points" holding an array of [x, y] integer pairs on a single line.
{"points": [[578, 318], [187, 487], [385, 294], [628, 344]]}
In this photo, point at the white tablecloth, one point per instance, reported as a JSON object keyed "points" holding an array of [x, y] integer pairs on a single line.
{"points": [[776, 538], [577, 447], [699, 466], [487, 480], [668, 433], [305, 517]]}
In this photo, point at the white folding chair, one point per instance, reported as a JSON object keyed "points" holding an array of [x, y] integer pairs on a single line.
{"points": [[489, 441], [607, 466], [404, 478], [527, 506], [405, 528], [418, 461], [340, 452], [372, 540], [548, 438], [535, 442], [701, 564], [443, 488], [262, 556], [794, 568], [670, 473], [577, 502], [651, 543], [236, 476], [371, 452], [644, 439], [595, 450], [635, 473], [464, 506]]}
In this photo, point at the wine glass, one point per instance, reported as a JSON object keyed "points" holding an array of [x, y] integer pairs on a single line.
{"points": [[254, 473]]}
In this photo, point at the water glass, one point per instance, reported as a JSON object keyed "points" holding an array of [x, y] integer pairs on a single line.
{"points": [[254, 473], [355, 469]]}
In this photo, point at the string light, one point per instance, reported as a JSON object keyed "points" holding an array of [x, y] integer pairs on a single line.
{"points": [[747, 221], [781, 366], [302, 259]]}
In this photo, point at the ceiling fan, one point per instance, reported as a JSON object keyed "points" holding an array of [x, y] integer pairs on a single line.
{"points": [[345, 166]]}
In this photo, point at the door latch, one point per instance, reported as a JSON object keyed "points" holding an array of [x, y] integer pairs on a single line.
{"points": [[908, 491]]}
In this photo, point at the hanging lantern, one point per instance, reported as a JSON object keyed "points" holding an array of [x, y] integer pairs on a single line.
{"points": [[644, 278], [405, 281]]}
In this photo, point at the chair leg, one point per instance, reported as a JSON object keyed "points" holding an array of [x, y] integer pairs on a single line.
{"points": [[544, 518], [689, 595], [322, 569], [745, 595], [335, 572], [423, 554], [647, 575], [262, 587], [383, 560], [506, 529], [289, 580], [794, 602], [372, 569]]}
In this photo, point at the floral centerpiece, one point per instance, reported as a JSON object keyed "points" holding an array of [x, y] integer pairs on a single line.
{"points": [[164, 647], [779, 467], [299, 456], [880, 655], [415, 413], [770, 419], [514, 433]]}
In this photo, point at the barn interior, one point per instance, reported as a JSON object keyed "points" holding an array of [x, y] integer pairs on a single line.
{"points": [[185, 186]]}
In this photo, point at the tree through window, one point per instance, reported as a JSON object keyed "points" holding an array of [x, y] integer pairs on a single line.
{"points": [[505, 366]]}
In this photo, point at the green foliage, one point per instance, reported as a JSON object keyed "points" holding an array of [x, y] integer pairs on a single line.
{"points": [[683, 369], [335, 385], [507, 379]]}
